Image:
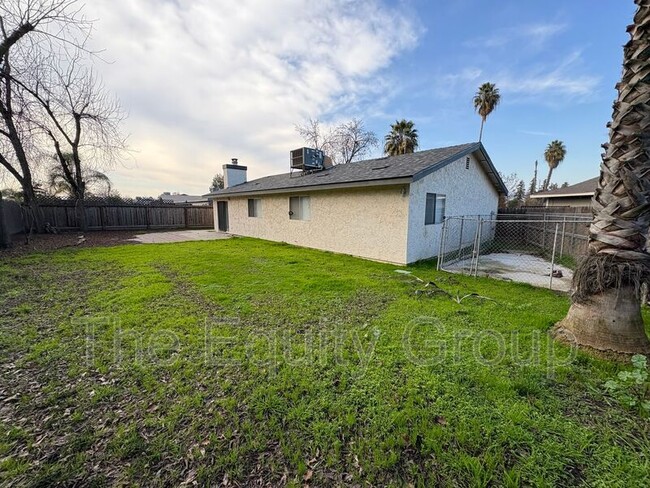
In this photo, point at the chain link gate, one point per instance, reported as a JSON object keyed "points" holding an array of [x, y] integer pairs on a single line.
{"points": [[541, 250]]}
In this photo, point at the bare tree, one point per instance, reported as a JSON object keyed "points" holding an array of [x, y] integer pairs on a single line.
{"points": [[511, 181], [344, 143], [315, 136], [28, 27], [353, 141], [77, 118], [51, 19]]}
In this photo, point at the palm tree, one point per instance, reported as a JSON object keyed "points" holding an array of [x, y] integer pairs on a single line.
{"points": [[402, 139], [554, 155], [485, 101], [61, 183], [605, 311]]}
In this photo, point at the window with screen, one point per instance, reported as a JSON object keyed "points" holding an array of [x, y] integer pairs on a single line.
{"points": [[435, 208], [299, 208], [254, 207]]}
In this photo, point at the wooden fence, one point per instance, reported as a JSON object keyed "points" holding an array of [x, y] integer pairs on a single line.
{"points": [[532, 209], [63, 216]]}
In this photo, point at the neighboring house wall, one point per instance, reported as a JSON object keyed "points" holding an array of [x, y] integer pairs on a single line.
{"points": [[366, 222], [468, 192], [568, 202]]}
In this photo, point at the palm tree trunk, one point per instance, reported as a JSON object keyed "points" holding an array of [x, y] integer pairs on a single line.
{"points": [[480, 135], [547, 181], [605, 310], [610, 320]]}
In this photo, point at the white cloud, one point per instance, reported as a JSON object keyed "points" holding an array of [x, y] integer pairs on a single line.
{"points": [[546, 83], [562, 80], [528, 35], [535, 133], [450, 84], [204, 81]]}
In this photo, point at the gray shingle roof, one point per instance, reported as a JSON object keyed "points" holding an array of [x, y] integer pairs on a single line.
{"points": [[413, 165], [183, 198], [584, 187]]}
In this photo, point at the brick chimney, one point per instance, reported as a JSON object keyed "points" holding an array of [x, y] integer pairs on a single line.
{"points": [[233, 174]]}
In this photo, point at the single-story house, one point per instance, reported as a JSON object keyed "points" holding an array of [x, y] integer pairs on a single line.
{"points": [[387, 209], [184, 199], [578, 195]]}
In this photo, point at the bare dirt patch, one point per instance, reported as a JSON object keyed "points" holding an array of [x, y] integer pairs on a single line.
{"points": [[51, 242]]}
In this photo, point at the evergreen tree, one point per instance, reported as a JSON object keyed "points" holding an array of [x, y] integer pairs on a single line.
{"points": [[520, 193]]}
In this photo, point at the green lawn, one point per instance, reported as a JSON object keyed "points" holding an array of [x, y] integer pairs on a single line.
{"points": [[253, 363]]}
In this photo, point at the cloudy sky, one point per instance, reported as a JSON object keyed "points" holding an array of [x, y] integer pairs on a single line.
{"points": [[204, 81]]}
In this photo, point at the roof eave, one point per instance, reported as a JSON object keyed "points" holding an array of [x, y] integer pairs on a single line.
{"points": [[493, 171], [563, 195], [317, 187], [493, 174]]}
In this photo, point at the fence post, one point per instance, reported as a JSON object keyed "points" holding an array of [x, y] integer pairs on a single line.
{"points": [[147, 219], [187, 224], [479, 233], [4, 232], [550, 281], [563, 233], [101, 217], [471, 264], [460, 239], [573, 236], [441, 246], [478, 246]]}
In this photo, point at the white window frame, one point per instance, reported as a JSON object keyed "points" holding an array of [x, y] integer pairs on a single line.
{"points": [[255, 208], [300, 207], [436, 213]]}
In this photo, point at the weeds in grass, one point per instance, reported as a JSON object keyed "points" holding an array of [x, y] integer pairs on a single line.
{"points": [[632, 388], [252, 363]]}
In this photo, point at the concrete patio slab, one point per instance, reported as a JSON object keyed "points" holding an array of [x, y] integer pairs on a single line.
{"points": [[166, 237], [523, 268]]}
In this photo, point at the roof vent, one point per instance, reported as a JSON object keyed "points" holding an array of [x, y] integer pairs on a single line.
{"points": [[307, 159]]}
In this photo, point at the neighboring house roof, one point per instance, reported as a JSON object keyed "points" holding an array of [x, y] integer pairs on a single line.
{"points": [[183, 198], [404, 168], [582, 189]]}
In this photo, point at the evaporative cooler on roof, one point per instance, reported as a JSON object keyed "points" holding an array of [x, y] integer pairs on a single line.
{"points": [[307, 159]]}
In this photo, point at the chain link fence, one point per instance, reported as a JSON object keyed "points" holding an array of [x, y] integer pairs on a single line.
{"points": [[539, 249]]}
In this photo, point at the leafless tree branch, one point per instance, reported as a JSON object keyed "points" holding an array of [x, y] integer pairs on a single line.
{"points": [[344, 143]]}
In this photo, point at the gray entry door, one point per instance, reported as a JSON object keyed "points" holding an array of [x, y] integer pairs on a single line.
{"points": [[222, 216]]}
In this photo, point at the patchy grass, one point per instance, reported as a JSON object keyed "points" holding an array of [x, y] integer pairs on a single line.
{"points": [[251, 363]]}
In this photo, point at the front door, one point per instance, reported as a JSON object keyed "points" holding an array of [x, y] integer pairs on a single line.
{"points": [[222, 216]]}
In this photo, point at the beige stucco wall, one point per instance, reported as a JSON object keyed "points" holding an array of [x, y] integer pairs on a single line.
{"points": [[367, 222]]}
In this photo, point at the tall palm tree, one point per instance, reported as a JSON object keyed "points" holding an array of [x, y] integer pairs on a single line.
{"points": [[554, 155], [402, 139], [605, 310], [485, 101]]}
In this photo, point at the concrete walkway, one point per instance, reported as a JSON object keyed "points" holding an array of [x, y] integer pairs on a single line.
{"points": [[179, 236]]}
